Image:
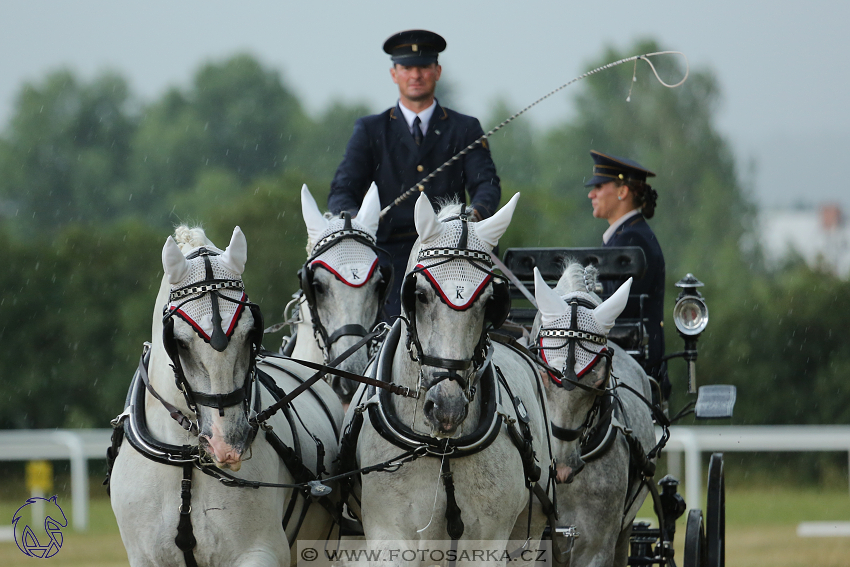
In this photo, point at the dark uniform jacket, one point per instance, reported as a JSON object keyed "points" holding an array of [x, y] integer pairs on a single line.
{"points": [[382, 150], [636, 232]]}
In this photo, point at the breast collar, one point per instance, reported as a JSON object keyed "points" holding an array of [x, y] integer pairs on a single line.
{"points": [[386, 422]]}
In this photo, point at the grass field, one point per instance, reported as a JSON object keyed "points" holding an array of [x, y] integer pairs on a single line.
{"points": [[760, 531]]}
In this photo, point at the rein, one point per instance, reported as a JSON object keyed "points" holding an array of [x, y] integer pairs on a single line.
{"points": [[380, 331]]}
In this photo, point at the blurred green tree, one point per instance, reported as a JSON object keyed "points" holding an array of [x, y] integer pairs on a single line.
{"points": [[64, 157]]}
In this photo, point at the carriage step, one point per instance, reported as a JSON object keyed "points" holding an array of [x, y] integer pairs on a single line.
{"points": [[715, 401]]}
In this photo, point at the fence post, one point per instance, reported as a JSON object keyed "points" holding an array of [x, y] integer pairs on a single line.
{"points": [[79, 477]]}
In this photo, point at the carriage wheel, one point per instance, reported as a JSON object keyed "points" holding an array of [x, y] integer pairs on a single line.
{"points": [[695, 548], [715, 520]]}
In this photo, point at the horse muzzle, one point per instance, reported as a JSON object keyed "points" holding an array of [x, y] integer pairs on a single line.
{"points": [[225, 446], [446, 406]]}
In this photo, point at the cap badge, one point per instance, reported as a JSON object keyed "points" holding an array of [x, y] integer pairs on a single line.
{"points": [[415, 47]]}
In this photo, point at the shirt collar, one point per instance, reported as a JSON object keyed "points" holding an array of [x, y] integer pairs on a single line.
{"points": [[424, 116], [606, 236]]}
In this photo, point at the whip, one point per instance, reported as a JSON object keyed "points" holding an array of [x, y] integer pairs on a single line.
{"points": [[420, 186]]}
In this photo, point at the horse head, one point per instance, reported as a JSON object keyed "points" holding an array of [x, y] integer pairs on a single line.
{"points": [[211, 334], [343, 286], [450, 297], [572, 332]]}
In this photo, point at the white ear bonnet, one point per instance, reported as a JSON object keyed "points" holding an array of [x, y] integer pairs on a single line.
{"points": [[196, 308], [458, 283], [350, 261], [554, 350]]}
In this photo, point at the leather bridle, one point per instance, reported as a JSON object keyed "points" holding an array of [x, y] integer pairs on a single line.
{"points": [[218, 340], [573, 337], [305, 276], [495, 313]]}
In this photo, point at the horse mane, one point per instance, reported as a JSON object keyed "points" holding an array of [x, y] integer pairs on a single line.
{"points": [[572, 280], [450, 207], [188, 237]]}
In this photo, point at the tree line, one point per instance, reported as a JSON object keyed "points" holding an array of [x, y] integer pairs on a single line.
{"points": [[92, 181]]}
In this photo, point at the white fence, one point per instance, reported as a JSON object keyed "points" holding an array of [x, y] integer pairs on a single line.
{"points": [[76, 445], [694, 442]]}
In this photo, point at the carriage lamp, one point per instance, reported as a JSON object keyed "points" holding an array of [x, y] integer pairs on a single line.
{"points": [[690, 315]]}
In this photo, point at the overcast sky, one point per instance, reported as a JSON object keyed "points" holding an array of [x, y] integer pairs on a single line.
{"points": [[782, 66]]}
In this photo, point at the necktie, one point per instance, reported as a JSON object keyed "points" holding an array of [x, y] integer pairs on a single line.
{"points": [[417, 131]]}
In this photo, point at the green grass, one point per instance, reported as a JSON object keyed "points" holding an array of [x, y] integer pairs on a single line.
{"points": [[761, 530], [100, 546]]}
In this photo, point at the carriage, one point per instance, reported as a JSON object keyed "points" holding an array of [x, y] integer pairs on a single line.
{"points": [[705, 532]]}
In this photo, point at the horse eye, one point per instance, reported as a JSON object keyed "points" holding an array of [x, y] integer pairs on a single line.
{"points": [[182, 344], [422, 297], [318, 287]]}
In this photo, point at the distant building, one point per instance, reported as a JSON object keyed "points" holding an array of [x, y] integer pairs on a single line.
{"points": [[819, 235]]}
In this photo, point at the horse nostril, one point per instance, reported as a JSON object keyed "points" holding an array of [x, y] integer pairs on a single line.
{"points": [[429, 407]]}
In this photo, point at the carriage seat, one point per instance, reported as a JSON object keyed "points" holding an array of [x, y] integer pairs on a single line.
{"points": [[611, 262]]}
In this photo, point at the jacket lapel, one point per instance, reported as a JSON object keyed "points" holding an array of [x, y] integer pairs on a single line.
{"points": [[438, 123], [398, 126]]}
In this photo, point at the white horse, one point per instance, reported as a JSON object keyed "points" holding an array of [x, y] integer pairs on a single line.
{"points": [[343, 288], [467, 479], [206, 343], [604, 498]]}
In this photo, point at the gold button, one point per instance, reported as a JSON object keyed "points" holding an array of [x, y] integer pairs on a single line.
{"points": [[419, 168], [421, 188], [662, 323]]}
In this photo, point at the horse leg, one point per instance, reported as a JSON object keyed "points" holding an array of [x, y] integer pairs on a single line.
{"points": [[621, 552], [521, 535], [261, 558]]}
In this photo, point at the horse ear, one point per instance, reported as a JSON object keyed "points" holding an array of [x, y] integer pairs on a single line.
{"points": [[550, 304], [236, 254], [174, 262], [608, 311], [370, 210], [313, 217], [425, 219], [491, 230]]}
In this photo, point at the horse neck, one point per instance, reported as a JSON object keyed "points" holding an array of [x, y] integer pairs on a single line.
{"points": [[411, 412], [306, 344], [160, 423]]}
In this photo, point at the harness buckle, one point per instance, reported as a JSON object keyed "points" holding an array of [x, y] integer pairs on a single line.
{"points": [[119, 419]]}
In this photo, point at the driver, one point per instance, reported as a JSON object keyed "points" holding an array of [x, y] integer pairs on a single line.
{"points": [[620, 194], [399, 147]]}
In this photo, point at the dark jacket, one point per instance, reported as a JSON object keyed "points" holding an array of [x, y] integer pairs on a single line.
{"points": [[382, 150], [636, 232]]}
